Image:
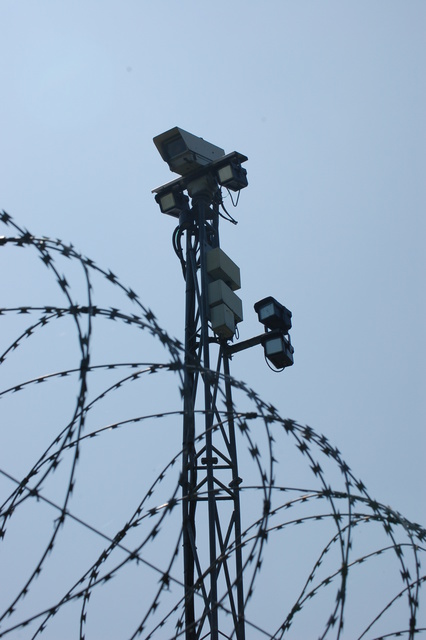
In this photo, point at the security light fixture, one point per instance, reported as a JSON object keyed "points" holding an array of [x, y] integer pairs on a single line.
{"points": [[273, 315], [184, 152], [172, 202], [232, 176], [278, 350]]}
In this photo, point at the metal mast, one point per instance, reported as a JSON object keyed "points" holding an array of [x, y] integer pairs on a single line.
{"points": [[213, 567], [213, 581]]}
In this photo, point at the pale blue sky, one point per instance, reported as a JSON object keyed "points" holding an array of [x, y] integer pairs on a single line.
{"points": [[327, 99]]}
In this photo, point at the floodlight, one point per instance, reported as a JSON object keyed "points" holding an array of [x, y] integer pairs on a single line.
{"points": [[184, 152], [278, 350], [172, 202], [232, 176], [273, 314]]}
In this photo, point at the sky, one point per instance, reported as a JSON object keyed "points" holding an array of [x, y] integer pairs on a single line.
{"points": [[327, 100]]}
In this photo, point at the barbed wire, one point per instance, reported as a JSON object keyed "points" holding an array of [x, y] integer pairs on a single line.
{"points": [[90, 525]]}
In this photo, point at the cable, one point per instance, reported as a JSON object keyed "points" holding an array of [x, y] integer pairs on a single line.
{"points": [[177, 246], [228, 216]]}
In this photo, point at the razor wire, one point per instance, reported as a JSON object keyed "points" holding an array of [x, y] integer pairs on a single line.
{"points": [[321, 557]]}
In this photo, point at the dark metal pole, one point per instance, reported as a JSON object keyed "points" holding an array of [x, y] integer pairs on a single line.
{"points": [[236, 481], [202, 204], [212, 458]]}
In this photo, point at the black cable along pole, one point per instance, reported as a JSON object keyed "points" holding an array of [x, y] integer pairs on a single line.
{"points": [[188, 446]]}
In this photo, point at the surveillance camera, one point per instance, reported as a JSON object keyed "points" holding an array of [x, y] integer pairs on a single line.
{"points": [[273, 315], [184, 152]]}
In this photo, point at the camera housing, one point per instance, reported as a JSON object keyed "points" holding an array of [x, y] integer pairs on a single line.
{"points": [[273, 315], [184, 152]]}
